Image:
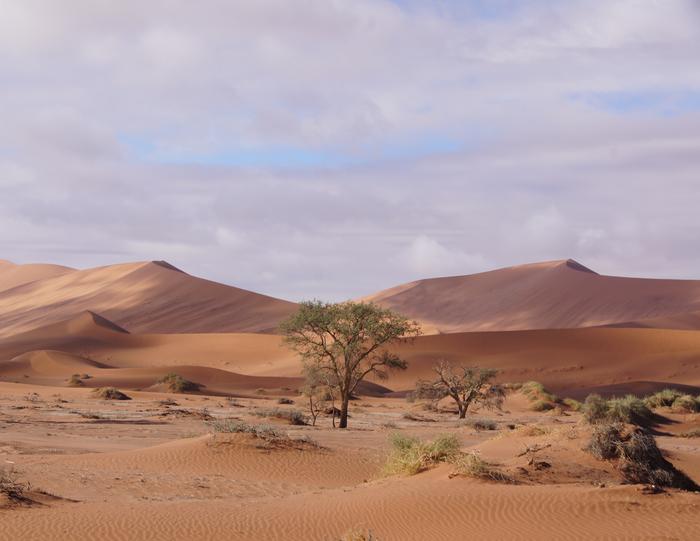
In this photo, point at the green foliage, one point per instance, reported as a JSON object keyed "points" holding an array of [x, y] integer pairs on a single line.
{"points": [[410, 455], [347, 342], [541, 398], [663, 399], [177, 384], [628, 409], [686, 404]]}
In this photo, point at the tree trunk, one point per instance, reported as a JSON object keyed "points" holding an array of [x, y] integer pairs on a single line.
{"points": [[344, 412], [462, 410]]}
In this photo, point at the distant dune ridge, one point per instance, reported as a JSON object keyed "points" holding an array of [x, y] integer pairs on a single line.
{"points": [[555, 322], [551, 295], [149, 296]]}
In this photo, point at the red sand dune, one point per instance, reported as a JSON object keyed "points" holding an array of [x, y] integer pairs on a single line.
{"points": [[551, 295], [142, 297], [12, 275]]}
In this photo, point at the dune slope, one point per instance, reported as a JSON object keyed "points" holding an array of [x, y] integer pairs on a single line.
{"points": [[552, 295]]}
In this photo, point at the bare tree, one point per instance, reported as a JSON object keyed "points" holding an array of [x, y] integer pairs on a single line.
{"points": [[465, 385], [348, 342], [319, 388]]}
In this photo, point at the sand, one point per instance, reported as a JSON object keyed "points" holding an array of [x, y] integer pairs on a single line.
{"points": [[154, 467]]}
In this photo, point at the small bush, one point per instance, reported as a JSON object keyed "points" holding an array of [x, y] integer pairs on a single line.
{"points": [[75, 381], [295, 417], [685, 404], [663, 399], [472, 465], [11, 487], [595, 409], [110, 393], [629, 409], [573, 405], [541, 405], [177, 384], [481, 424], [639, 458], [285, 401], [234, 426], [410, 455]]}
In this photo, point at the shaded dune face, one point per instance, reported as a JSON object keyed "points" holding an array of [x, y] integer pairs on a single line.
{"points": [[552, 295], [141, 297]]}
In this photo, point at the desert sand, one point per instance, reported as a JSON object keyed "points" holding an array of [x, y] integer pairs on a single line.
{"points": [[155, 466]]}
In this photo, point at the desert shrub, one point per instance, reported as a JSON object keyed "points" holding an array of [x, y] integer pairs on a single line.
{"points": [[411, 455], [177, 384], [410, 416], [295, 417], [167, 402], [595, 409], [541, 405], [285, 401], [110, 393], [685, 404], [572, 404], [639, 458], [532, 388], [513, 386], [75, 381], [605, 441], [692, 433], [234, 426], [10, 486], [481, 424], [629, 409], [663, 399], [389, 424], [472, 465]]}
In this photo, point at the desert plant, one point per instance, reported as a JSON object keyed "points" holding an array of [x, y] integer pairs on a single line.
{"points": [[685, 404], [11, 487], [285, 401], [177, 384], [629, 409], [348, 341], [411, 455], [465, 385], [639, 458], [541, 405], [110, 393], [295, 417], [233, 426], [481, 424], [663, 398], [595, 409], [359, 535], [75, 381], [692, 433], [318, 388], [472, 465], [572, 404]]}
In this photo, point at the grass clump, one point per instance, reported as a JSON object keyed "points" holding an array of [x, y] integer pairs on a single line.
{"points": [[472, 465], [638, 457], [542, 405], [110, 393], [573, 405], [234, 426], [686, 404], [663, 399], [285, 401], [359, 535], [75, 381], [542, 400], [692, 433], [295, 417], [177, 384], [481, 424], [411, 455], [629, 409]]}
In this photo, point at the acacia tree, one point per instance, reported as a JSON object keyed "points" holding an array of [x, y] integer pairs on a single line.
{"points": [[347, 342], [466, 385]]}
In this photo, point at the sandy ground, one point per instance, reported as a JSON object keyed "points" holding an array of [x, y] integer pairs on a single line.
{"points": [[148, 469]]}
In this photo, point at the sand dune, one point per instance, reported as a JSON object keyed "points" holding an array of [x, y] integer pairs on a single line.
{"points": [[141, 297], [12, 275], [552, 295]]}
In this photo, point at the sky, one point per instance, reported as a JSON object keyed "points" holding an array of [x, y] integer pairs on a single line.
{"points": [[332, 148]]}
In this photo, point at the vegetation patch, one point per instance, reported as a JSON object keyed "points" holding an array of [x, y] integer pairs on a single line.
{"points": [[638, 457], [177, 384], [75, 381], [12, 489], [472, 465], [295, 417], [692, 433], [480, 424], [270, 435], [630, 410], [541, 399], [109, 393]]}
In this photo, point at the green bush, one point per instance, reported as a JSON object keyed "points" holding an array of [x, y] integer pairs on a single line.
{"points": [[177, 384], [572, 404], [663, 399], [685, 404], [595, 409], [629, 409], [410, 455]]}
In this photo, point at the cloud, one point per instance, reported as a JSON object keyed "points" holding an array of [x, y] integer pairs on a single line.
{"points": [[329, 149]]}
